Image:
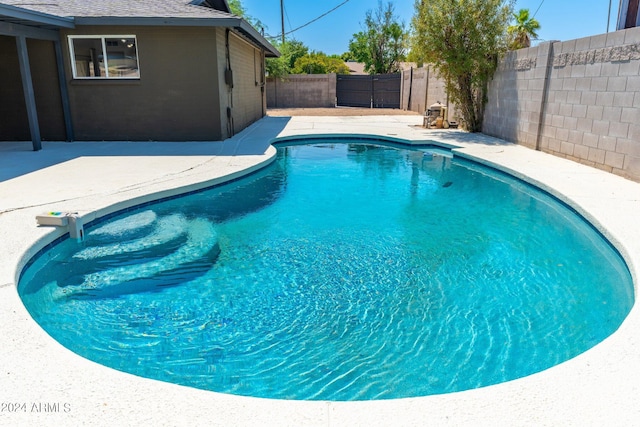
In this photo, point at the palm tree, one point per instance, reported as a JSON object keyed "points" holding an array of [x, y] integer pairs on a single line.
{"points": [[521, 33]]}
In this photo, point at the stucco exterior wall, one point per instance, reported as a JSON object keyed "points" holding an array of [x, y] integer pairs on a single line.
{"points": [[176, 97], [14, 125], [578, 99], [302, 91], [245, 98]]}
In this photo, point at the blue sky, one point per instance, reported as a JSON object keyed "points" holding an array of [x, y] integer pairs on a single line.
{"points": [[560, 19]]}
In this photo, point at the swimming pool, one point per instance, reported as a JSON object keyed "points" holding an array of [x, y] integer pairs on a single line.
{"points": [[423, 293]]}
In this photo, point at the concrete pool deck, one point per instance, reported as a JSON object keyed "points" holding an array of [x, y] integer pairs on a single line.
{"points": [[43, 383]]}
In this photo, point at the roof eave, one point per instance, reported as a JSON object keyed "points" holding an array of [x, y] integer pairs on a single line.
{"points": [[251, 32], [231, 22], [32, 16]]}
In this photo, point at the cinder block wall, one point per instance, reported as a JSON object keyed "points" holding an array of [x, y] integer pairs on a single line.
{"points": [[516, 94], [421, 88], [302, 91], [578, 99]]}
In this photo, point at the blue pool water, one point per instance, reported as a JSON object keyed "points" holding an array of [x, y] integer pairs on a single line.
{"points": [[343, 271]]}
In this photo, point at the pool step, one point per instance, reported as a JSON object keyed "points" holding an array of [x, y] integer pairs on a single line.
{"points": [[166, 230], [201, 245]]}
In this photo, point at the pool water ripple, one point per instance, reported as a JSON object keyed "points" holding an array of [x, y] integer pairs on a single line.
{"points": [[341, 272]]}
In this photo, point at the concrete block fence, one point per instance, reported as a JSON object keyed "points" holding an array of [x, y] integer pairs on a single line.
{"points": [[421, 88], [578, 99], [302, 91]]}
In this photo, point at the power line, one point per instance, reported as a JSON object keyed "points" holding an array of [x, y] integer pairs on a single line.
{"points": [[534, 15], [313, 20], [286, 14]]}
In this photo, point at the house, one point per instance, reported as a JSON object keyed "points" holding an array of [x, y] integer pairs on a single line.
{"points": [[167, 70], [357, 68], [629, 14]]}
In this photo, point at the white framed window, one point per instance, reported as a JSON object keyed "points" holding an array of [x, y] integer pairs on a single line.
{"points": [[104, 57]]}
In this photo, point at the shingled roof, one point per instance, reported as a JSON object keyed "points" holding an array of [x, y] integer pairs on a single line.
{"points": [[215, 13], [125, 8]]}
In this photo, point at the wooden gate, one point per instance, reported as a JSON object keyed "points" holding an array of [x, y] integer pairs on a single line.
{"points": [[370, 91]]}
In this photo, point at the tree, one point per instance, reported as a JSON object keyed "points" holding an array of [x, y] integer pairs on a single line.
{"points": [[463, 40], [290, 51], [382, 45], [319, 63], [525, 28], [347, 56], [237, 8]]}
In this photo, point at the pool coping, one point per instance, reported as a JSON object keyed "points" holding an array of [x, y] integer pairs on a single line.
{"points": [[595, 388]]}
